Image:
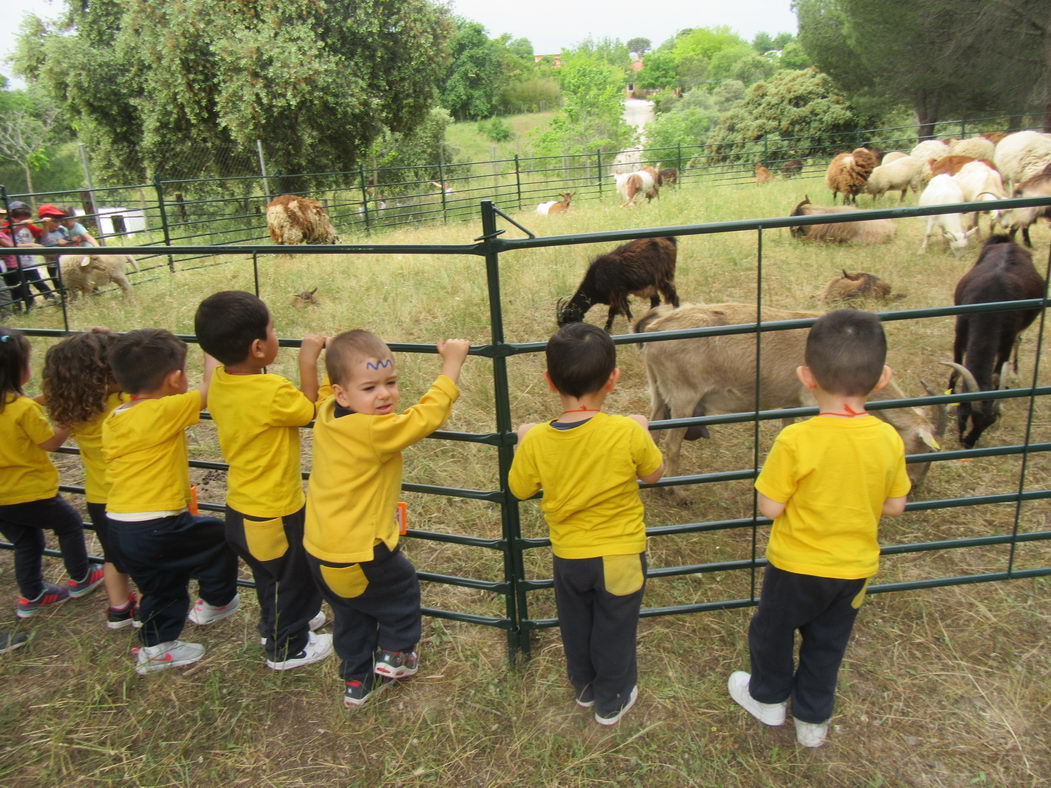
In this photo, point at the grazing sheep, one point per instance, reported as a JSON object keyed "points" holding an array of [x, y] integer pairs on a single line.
{"points": [[1004, 271], [943, 190], [873, 231], [980, 182], [668, 177], [630, 185], [856, 286], [975, 147], [1022, 155], [83, 273], [896, 175], [297, 220], [643, 268], [923, 153], [948, 165], [993, 136], [1022, 218], [555, 206], [708, 375], [791, 168], [894, 155], [762, 175], [847, 173]]}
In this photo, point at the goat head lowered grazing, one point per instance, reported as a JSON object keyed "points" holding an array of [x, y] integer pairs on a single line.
{"points": [[643, 267], [716, 374], [1004, 271]]}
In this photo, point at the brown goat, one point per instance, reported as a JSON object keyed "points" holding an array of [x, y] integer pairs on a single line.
{"points": [[669, 177], [555, 206], [856, 286], [847, 173], [297, 220], [873, 231], [632, 184], [708, 375], [762, 175], [791, 168]]}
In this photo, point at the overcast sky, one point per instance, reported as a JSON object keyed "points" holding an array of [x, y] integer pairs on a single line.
{"points": [[551, 25]]}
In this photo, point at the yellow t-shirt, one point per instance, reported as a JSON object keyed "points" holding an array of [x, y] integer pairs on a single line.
{"points": [[356, 477], [26, 472], [833, 475], [89, 439], [145, 449], [589, 475], [258, 419]]}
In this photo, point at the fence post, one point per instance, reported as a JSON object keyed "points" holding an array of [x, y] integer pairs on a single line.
{"points": [[159, 187], [598, 166], [678, 158], [364, 196], [766, 151], [85, 165], [514, 573], [262, 169], [441, 180], [963, 129], [518, 182]]}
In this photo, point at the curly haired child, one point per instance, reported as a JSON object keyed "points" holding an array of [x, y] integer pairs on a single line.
{"points": [[81, 392], [29, 499]]}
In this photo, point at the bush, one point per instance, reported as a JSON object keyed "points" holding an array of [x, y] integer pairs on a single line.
{"points": [[496, 129]]}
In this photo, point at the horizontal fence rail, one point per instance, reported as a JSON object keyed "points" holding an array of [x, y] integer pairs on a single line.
{"points": [[514, 586]]}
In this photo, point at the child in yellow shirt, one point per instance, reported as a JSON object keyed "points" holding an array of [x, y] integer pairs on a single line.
{"points": [[29, 499], [351, 532]]}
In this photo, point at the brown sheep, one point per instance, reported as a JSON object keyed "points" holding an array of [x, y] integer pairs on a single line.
{"points": [[297, 220], [950, 165], [873, 231], [994, 136], [847, 173], [854, 286], [762, 175], [82, 274], [791, 168]]}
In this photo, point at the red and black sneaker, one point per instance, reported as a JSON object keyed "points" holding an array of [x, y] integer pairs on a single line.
{"points": [[51, 595], [127, 616]]}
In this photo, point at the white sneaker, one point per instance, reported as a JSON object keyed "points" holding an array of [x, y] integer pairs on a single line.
{"points": [[313, 625], [614, 718], [317, 648], [167, 655], [204, 613], [811, 734], [767, 713]]}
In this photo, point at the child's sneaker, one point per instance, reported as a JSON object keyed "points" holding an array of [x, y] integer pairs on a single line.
{"points": [[167, 655], [358, 693], [121, 617], [92, 580], [313, 625], [397, 664], [204, 613], [316, 649], [811, 734], [9, 641], [767, 713], [612, 718], [51, 595], [586, 698]]}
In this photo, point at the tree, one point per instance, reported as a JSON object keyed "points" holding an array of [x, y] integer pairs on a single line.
{"points": [[659, 71], [473, 81], [640, 46], [169, 89], [687, 123], [27, 123], [694, 51]]}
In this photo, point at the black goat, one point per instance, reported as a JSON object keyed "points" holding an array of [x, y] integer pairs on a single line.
{"points": [[642, 268], [1004, 272]]}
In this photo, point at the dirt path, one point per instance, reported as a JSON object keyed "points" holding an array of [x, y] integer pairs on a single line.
{"points": [[637, 113]]}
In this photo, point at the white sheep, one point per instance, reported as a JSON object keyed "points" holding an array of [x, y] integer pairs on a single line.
{"points": [[82, 274], [943, 190], [980, 182], [894, 155], [923, 153], [975, 147], [1022, 155], [895, 176]]}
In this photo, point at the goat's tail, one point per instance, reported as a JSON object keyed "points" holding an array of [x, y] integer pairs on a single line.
{"points": [[643, 323]]}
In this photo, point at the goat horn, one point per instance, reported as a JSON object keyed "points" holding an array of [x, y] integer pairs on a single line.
{"points": [[970, 383], [939, 413]]}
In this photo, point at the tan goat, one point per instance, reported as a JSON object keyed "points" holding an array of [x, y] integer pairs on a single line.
{"points": [[708, 375]]}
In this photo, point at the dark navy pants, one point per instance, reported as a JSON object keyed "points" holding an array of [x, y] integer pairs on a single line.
{"points": [[23, 524], [162, 555], [823, 609], [104, 532]]}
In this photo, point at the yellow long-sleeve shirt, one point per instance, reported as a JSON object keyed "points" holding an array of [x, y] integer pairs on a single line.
{"points": [[356, 477]]}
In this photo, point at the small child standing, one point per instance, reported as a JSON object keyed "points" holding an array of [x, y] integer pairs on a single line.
{"points": [[161, 543], [352, 535], [825, 484], [76, 232], [588, 462], [258, 417], [29, 499], [80, 393]]}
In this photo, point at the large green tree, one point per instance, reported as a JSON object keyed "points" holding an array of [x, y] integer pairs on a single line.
{"points": [[940, 57], [171, 88], [473, 82]]}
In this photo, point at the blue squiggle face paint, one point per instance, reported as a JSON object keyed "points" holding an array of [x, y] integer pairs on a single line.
{"points": [[372, 387], [381, 365]]}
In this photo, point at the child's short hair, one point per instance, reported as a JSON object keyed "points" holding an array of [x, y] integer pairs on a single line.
{"points": [[228, 322], [580, 359], [342, 351], [14, 357], [846, 350], [141, 359], [77, 376]]}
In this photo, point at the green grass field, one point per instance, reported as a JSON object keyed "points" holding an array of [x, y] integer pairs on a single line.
{"points": [[944, 686]]}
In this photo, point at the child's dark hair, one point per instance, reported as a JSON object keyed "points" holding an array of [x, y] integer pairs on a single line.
{"points": [[343, 350], [14, 358], [846, 350], [141, 359], [580, 359], [77, 377], [228, 322]]}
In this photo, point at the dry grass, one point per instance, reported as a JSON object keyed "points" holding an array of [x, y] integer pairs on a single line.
{"points": [[941, 687]]}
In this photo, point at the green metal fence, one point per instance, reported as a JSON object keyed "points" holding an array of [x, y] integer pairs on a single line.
{"points": [[514, 586]]}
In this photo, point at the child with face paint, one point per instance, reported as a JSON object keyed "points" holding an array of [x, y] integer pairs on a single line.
{"points": [[351, 536]]}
